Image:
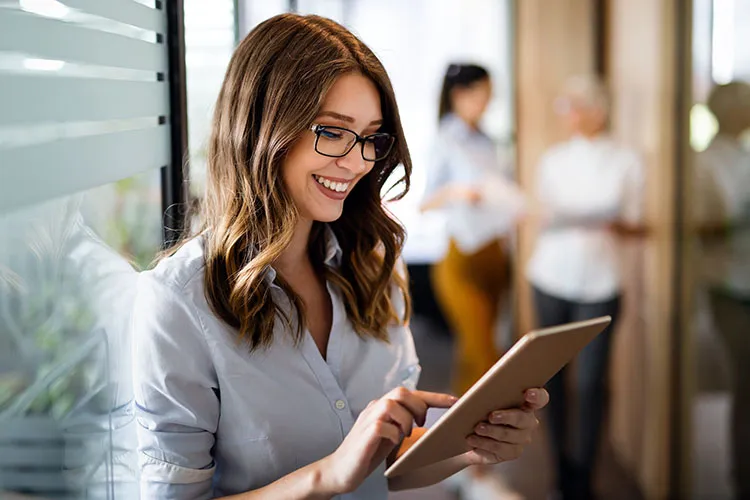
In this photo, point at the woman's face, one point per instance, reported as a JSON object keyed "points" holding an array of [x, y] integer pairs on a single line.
{"points": [[579, 118], [471, 102], [353, 103]]}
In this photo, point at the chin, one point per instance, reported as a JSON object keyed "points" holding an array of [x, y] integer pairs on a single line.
{"points": [[330, 218], [326, 215]]}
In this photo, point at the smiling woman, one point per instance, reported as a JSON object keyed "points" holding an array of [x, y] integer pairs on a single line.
{"points": [[326, 161], [273, 357]]}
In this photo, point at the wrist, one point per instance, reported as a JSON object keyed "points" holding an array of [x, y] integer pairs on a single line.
{"points": [[322, 483]]}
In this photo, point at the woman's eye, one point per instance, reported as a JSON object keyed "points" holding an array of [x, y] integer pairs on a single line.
{"points": [[331, 134]]}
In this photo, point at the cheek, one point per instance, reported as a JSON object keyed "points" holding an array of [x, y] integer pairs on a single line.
{"points": [[299, 164], [573, 119]]}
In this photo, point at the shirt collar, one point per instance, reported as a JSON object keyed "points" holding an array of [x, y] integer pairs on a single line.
{"points": [[334, 253], [332, 258]]}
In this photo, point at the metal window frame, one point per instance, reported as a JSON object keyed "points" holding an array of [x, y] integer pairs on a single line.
{"points": [[173, 176]]}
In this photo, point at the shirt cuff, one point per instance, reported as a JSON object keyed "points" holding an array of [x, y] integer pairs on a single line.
{"points": [[165, 472]]}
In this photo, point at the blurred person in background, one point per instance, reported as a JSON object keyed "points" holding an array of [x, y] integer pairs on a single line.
{"points": [[722, 208], [469, 185], [590, 192], [273, 356], [472, 188]]}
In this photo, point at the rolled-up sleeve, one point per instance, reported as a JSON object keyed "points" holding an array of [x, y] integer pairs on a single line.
{"points": [[176, 395]]}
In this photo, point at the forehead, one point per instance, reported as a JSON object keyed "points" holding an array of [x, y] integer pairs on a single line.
{"points": [[354, 95]]}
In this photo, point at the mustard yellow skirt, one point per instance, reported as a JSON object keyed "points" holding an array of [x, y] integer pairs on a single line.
{"points": [[469, 289]]}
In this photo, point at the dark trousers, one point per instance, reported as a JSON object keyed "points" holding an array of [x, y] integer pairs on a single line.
{"points": [[575, 458], [732, 317]]}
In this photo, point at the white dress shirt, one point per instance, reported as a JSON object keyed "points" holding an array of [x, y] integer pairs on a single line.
{"points": [[592, 181], [467, 157], [724, 167], [215, 419]]}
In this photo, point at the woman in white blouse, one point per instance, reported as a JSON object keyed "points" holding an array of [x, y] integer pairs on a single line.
{"points": [[272, 353], [468, 184], [590, 190]]}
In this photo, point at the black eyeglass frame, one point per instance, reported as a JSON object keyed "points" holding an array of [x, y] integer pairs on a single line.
{"points": [[317, 128]]}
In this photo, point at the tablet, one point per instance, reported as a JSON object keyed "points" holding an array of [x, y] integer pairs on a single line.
{"points": [[531, 362]]}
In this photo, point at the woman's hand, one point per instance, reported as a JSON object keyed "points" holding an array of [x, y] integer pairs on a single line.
{"points": [[465, 193], [506, 433], [378, 430], [452, 193]]}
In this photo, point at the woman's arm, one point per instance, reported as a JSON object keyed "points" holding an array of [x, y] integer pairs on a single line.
{"points": [[441, 188], [307, 483], [177, 405], [175, 388], [631, 221], [450, 193]]}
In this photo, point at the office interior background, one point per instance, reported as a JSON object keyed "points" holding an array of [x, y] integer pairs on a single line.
{"points": [[105, 107]]}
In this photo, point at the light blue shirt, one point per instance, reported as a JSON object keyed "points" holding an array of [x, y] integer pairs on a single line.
{"points": [[467, 157], [215, 419]]}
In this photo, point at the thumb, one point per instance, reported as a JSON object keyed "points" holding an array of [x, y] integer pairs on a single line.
{"points": [[436, 399]]}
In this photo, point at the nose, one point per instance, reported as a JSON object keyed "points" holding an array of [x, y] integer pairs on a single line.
{"points": [[353, 161]]}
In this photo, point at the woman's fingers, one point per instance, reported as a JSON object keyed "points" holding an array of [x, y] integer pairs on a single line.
{"points": [[411, 401], [536, 399], [502, 451], [504, 433], [519, 419], [479, 457], [393, 412], [417, 402], [405, 407], [436, 399], [387, 430]]}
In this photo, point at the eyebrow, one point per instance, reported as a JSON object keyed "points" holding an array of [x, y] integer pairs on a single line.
{"points": [[345, 118]]}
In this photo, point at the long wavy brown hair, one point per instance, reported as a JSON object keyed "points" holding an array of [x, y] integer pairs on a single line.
{"points": [[272, 92]]}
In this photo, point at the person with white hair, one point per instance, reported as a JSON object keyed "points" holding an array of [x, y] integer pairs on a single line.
{"points": [[590, 191], [722, 213]]}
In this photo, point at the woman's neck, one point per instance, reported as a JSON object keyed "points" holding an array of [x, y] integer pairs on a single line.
{"points": [[472, 124], [590, 133], [296, 257]]}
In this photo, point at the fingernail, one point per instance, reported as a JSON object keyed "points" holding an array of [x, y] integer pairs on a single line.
{"points": [[482, 428], [453, 399], [531, 396], [497, 417]]}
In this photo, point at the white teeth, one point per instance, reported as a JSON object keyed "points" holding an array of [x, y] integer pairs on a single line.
{"points": [[339, 187]]}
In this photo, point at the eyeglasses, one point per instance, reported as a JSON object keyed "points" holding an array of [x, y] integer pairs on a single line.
{"points": [[337, 142]]}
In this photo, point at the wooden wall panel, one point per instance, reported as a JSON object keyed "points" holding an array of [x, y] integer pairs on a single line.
{"points": [[642, 69]]}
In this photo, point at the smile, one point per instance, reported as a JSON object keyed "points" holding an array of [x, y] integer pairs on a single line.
{"points": [[338, 187]]}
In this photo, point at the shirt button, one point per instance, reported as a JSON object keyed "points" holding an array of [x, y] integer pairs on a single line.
{"points": [[340, 404]]}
